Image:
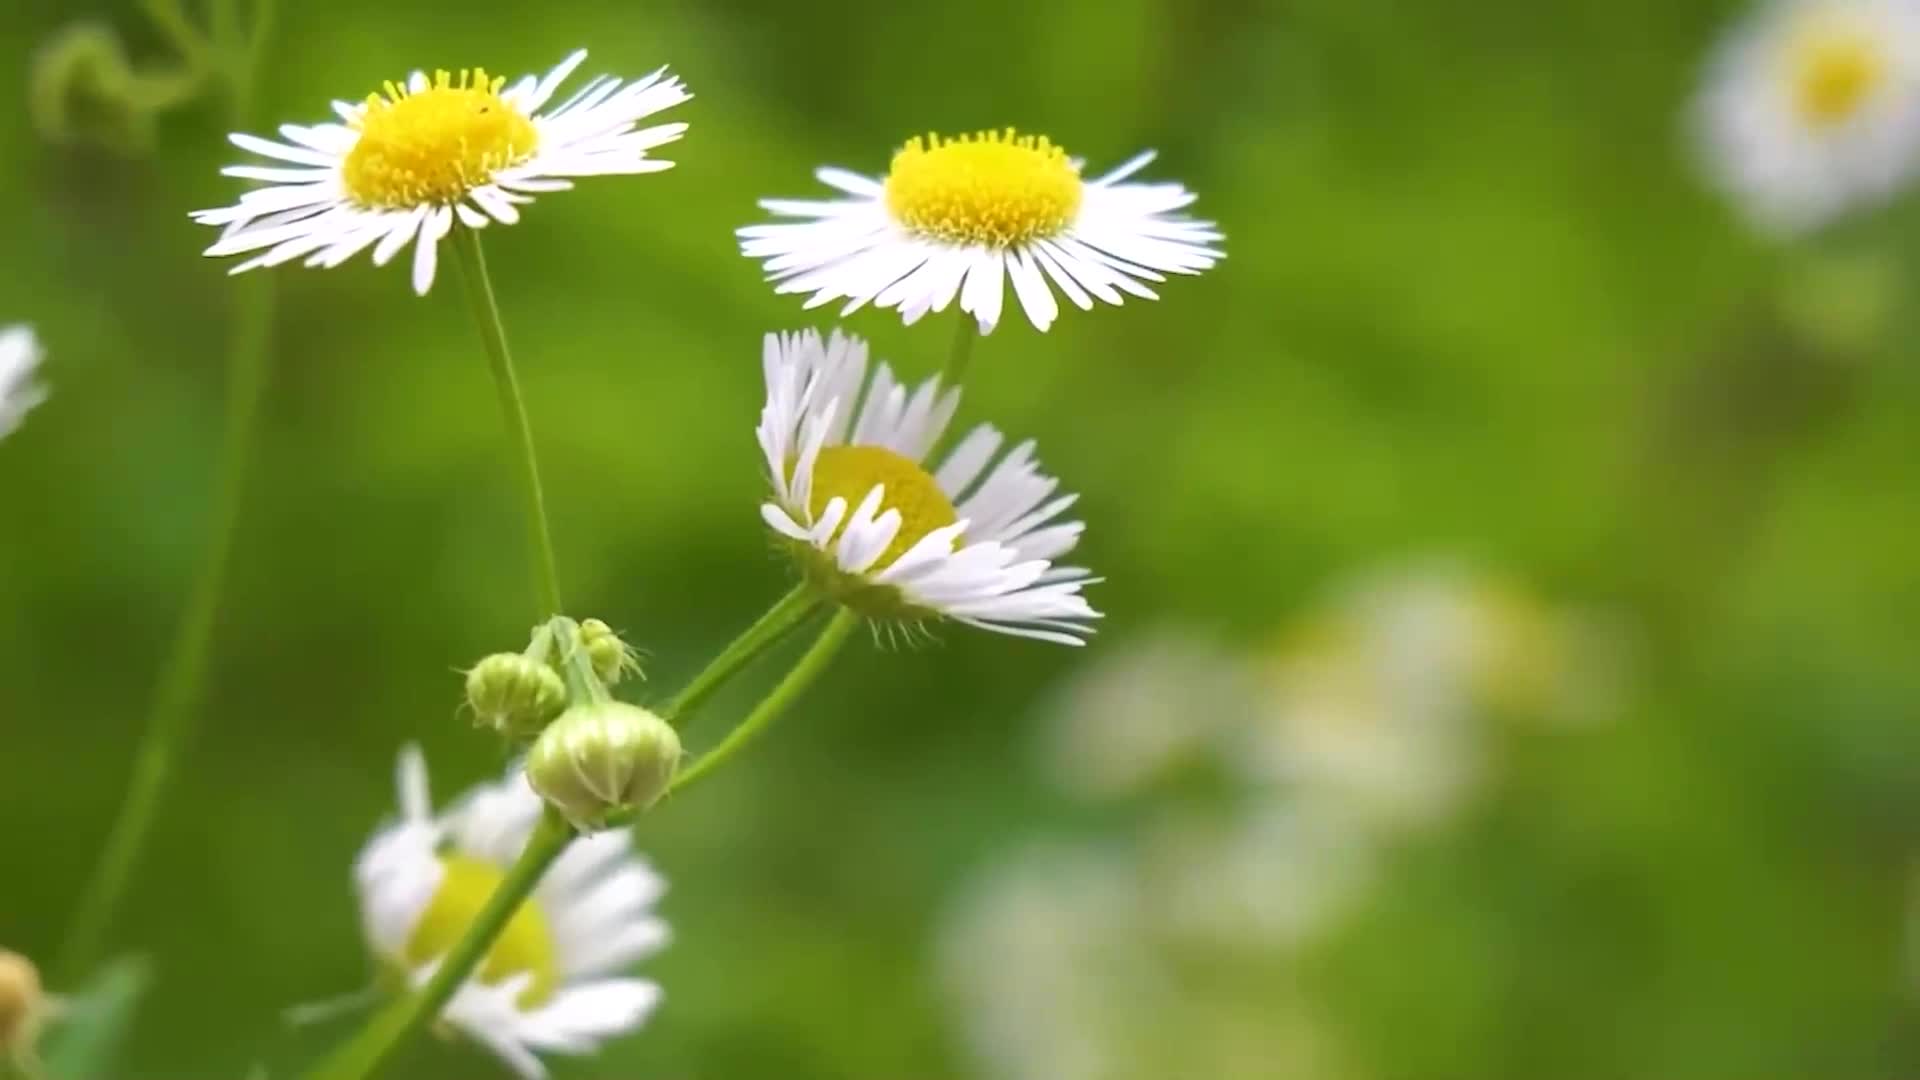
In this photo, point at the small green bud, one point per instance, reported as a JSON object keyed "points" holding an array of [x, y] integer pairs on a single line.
{"points": [[22, 1005], [612, 658], [603, 757], [515, 695]]}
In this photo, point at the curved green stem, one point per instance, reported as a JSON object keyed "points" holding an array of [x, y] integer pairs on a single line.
{"points": [[958, 357], [787, 613], [805, 671], [171, 719], [173, 24], [404, 1018], [493, 334]]}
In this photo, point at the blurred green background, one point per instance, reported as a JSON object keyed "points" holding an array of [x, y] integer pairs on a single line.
{"points": [[1476, 301]]}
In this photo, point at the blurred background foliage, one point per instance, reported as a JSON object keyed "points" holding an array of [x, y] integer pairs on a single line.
{"points": [[1476, 304]]}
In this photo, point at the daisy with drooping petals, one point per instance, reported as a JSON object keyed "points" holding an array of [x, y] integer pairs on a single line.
{"points": [[1813, 108], [413, 162], [878, 533], [551, 981], [963, 216], [19, 391]]}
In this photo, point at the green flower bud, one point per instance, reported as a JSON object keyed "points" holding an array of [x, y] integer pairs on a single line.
{"points": [[515, 695], [22, 1005], [603, 757], [612, 658]]}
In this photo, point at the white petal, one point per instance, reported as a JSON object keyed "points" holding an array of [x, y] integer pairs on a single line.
{"points": [[426, 249]]}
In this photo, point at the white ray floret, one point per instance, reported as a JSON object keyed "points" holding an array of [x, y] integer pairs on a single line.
{"points": [[413, 163], [1812, 108], [962, 218], [974, 541], [20, 391], [553, 981]]}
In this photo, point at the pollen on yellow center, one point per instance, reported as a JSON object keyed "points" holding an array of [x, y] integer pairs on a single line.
{"points": [[1834, 73], [850, 472], [997, 188], [434, 146], [525, 946]]}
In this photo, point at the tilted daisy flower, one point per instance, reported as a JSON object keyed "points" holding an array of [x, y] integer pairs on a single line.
{"points": [[963, 216], [552, 980], [1813, 107], [413, 162], [878, 533], [19, 391]]}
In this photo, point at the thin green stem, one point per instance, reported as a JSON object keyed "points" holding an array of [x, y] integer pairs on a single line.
{"points": [[787, 613], [805, 671], [961, 354], [493, 334], [172, 715], [377, 1041]]}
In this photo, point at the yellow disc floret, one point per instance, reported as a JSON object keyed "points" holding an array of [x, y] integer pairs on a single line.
{"points": [[850, 472], [997, 188], [433, 146], [524, 947], [1835, 71]]}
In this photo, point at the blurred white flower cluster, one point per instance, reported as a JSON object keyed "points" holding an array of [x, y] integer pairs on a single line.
{"points": [[1811, 108], [1268, 783]]}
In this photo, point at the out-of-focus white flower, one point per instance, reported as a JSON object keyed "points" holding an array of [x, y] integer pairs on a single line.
{"points": [[552, 981], [1381, 703], [1277, 876], [19, 391], [1044, 958], [1142, 709], [1813, 107], [1060, 968], [413, 162], [960, 217]]}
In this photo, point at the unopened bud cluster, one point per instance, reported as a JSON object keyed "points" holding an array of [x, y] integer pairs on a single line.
{"points": [[590, 756]]}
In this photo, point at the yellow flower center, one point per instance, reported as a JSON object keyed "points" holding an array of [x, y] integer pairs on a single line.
{"points": [[849, 472], [525, 946], [434, 146], [996, 188], [1835, 72]]}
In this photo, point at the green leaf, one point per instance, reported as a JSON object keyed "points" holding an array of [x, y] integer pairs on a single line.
{"points": [[83, 1041]]}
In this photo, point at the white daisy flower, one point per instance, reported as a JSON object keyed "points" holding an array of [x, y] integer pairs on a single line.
{"points": [[409, 164], [19, 391], [552, 981], [879, 533], [959, 216], [1813, 107]]}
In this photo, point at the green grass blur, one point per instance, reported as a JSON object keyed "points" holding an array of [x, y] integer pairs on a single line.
{"points": [[1475, 301]]}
